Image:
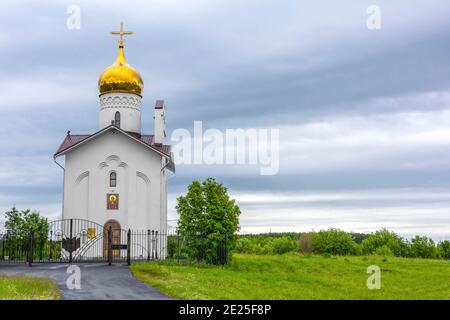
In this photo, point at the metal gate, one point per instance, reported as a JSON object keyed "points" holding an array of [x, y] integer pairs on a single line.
{"points": [[77, 241]]}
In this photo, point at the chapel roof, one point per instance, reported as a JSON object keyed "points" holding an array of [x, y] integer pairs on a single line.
{"points": [[73, 139]]}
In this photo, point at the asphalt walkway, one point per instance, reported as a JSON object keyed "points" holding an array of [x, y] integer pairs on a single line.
{"points": [[98, 281]]}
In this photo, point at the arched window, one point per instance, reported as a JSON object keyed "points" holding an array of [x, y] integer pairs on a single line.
{"points": [[113, 179], [117, 119]]}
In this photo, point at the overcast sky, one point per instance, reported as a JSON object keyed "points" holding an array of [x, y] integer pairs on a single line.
{"points": [[364, 115]]}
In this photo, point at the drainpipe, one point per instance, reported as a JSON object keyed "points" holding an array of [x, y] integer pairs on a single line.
{"points": [[160, 190], [162, 232], [64, 185]]}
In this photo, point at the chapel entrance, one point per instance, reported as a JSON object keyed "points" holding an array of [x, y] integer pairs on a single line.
{"points": [[116, 232]]}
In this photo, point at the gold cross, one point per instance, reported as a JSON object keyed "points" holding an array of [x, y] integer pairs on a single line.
{"points": [[121, 33]]}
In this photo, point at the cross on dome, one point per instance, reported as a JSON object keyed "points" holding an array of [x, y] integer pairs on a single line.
{"points": [[120, 76], [121, 33]]}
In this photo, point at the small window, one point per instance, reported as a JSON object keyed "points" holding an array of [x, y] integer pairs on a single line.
{"points": [[113, 179], [117, 119]]}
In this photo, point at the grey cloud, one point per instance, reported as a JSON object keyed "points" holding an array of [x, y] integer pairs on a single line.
{"points": [[230, 64]]}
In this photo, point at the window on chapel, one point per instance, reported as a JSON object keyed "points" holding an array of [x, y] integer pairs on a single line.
{"points": [[113, 179]]}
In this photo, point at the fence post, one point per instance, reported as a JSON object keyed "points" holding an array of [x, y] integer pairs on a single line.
{"points": [[51, 243], [128, 247], [41, 243], [179, 249], [153, 244], [110, 245], [70, 241], [156, 244], [8, 247], [30, 248], [8, 239], [148, 244], [3, 247]]}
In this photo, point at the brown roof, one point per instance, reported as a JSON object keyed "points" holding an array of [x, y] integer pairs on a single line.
{"points": [[73, 139], [159, 104]]}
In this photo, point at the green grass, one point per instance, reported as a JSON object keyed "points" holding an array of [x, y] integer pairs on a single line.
{"points": [[27, 288], [299, 277]]}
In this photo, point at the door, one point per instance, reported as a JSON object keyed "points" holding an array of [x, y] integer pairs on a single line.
{"points": [[116, 232]]}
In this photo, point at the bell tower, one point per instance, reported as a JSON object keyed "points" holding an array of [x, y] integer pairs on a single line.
{"points": [[120, 87]]}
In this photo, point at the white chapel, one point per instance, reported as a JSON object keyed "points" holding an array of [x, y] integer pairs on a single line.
{"points": [[117, 176]]}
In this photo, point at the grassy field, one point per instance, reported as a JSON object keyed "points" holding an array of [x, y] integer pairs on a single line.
{"points": [[299, 277], [27, 288]]}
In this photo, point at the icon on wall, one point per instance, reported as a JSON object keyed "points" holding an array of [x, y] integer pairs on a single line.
{"points": [[91, 233], [112, 201]]}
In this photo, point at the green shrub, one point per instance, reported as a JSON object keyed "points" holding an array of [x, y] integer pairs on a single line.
{"points": [[254, 244], [357, 249], [381, 238], [172, 246], [284, 245], [444, 249], [262, 244], [208, 221], [332, 241], [383, 251], [243, 245], [423, 247], [359, 237], [19, 223]]}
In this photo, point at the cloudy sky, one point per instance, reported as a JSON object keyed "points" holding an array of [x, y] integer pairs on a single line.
{"points": [[364, 115]]}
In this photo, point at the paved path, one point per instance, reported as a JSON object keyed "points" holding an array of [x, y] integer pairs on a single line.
{"points": [[98, 281]]}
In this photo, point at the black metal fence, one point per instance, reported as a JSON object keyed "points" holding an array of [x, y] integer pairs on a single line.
{"points": [[77, 241], [212, 250]]}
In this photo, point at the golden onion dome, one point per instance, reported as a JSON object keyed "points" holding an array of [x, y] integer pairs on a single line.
{"points": [[120, 77]]}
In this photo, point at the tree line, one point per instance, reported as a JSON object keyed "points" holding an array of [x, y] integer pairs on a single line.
{"points": [[337, 242]]}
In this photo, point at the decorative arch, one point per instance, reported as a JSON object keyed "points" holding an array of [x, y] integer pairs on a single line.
{"points": [[102, 165], [112, 223], [81, 177], [113, 157], [143, 177], [123, 165]]}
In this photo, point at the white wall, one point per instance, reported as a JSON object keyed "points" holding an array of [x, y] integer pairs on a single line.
{"points": [[142, 201], [129, 106], [160, 125]]}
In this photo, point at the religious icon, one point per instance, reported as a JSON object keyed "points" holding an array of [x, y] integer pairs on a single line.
{"points": [[91, 233], [112, 201]]}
